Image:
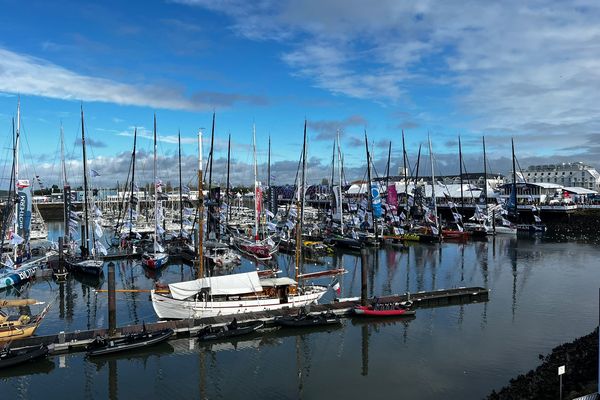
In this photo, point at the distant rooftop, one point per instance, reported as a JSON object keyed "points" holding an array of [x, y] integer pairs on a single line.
{"points": [[560, 167]]}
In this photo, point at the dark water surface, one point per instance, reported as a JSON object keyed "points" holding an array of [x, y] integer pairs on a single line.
{"points": [[542, 294]]}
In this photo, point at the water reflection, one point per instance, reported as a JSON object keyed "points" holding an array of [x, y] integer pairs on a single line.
{"points": [[442, 342]]}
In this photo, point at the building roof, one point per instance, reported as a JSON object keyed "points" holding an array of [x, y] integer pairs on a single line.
{"points": [[579, 190]]}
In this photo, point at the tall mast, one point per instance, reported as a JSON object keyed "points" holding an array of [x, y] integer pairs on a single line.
{"points": [[200, 260], [132, 196], [485, 190], [85, 187], [341, 205], [155, 191], [180, 187], [370, 192], [433, 184], [300, 221], [462, 198], [303, 189], [514, 186], [16, 158], [387, 172], [269, 168], [210, 157], [227, 190], [256, 205], [62, 156], [404, 172]]}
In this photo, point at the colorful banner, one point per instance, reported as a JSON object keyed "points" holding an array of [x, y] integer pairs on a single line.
{"points": [[24, 209], [376, 200], [392, 196]]}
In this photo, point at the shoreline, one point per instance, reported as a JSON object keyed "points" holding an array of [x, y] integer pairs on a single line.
{"points": [[581, 377]]}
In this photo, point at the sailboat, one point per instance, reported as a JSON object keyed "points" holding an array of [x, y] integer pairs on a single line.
{"points": [[228, 294], [257, 248], [18, 265], [513, 212], [455, 230], [158, 258], [87, 262]]}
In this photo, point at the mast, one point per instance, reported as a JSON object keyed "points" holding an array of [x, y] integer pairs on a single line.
{"points": [[300, 221], [387, 169], [180, 187], [85, 188], [131, 198], [485, 191], [433, 185], [65, 184], [155, 192], [303, 184], [256, 203], [341, 205], [514, 185], [200, 260], [404, 171], [269, 174], [210, 157], [227, 194], [370, 195], [16, 159], [462, 198]]}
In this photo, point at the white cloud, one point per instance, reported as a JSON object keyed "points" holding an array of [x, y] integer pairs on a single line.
{"points": [[513, 66], [29, 75]]}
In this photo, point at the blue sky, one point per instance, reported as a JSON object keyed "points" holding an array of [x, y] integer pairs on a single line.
{"points": [[528, 70]]}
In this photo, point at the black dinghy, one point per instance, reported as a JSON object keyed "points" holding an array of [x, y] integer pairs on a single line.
{"points": [[10, 357], [230, 330], [302, 320], [132, 341]]}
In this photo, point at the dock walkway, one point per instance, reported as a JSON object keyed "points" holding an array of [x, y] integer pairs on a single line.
{"points": [[76, 341]]}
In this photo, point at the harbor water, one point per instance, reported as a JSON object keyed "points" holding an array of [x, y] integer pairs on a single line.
{"points": [[543, 293]]}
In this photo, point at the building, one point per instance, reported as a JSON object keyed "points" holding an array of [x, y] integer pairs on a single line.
{"points": [[576, 174]]}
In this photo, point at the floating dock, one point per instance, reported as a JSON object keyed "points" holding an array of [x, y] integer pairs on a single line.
{"points": [[76, 341]]}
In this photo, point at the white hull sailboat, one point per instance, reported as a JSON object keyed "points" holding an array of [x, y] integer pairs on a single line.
{"points": [[230, 295]]}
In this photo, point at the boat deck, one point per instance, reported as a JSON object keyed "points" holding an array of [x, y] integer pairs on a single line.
{"points": [[76, 341]]}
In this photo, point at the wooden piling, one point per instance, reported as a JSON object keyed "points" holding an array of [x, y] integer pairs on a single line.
{"points": [[112, 301], [363, 276]]}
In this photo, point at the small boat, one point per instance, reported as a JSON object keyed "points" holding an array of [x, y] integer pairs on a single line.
{"points": [[10, 357], [19, 326], [88, 266], [155, 260], [302, 320], [384, 310], [233, 329], [102, 345]]}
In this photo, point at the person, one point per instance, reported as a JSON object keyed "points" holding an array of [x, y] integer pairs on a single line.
{"points": [[234, 324]]}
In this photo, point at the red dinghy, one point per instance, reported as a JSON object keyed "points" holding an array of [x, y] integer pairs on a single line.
{"points": [[384, 310]]}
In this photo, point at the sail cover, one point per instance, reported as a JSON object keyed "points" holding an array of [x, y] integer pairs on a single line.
{"points": [[218, 285]]}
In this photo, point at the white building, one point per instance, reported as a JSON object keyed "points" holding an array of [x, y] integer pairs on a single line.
{"points": [[575, 174]]}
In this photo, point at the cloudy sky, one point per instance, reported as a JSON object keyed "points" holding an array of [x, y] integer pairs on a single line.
{"points": [[523, 69]]}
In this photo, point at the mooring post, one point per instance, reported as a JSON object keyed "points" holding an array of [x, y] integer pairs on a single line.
{"points": [[112, 303], [363, 275]]}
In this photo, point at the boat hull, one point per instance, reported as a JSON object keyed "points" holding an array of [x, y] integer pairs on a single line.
{"points": [[155, 261], [131, 342], [220, 333], [17, 276], [168, 308], [370, 312], [23, 355]]}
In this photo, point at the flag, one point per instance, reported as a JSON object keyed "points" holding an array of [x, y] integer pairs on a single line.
{"points": [[392, 195], [22, 183], [98, 229], [537, 219], [158, 248], [159, 185], [94, 173], [15, 239], [100, 248], [336, 286], [269, 213], [271, 226]]}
